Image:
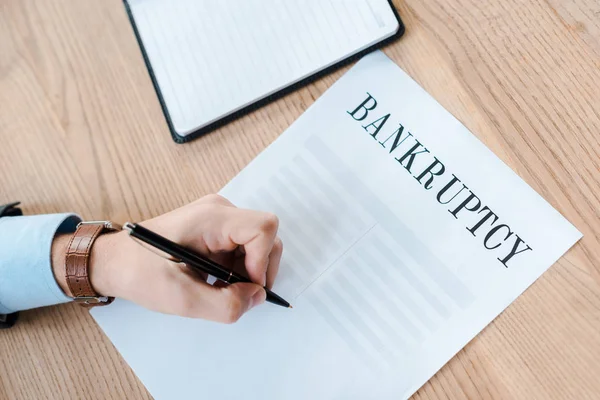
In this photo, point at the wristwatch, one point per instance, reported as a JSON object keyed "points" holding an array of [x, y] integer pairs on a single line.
{"points": [[77, 262]]}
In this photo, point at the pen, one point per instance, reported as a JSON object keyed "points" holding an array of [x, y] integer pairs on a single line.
{"points": [[194, 260]]}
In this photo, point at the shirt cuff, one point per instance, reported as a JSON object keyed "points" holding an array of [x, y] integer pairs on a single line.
{"points": [[26, 277]]}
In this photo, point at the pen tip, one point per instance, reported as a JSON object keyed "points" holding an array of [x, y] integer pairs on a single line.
{"points": [[290, 306]]}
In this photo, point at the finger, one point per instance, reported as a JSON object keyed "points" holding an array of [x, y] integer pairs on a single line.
{"points": [[259, 256], [274, 260], [227, 304], [256, 231], [215, 199]]}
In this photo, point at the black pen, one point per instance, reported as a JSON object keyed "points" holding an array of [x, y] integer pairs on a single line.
{"points": [[194, 260]]}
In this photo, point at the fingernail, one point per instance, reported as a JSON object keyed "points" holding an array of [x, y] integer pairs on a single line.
{"points": [[258, 298]]}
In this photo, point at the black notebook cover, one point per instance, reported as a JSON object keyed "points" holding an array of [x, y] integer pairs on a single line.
{"points": [[259, 103]]}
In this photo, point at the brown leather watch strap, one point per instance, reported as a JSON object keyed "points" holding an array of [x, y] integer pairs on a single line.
{"points": [[77, 263]]}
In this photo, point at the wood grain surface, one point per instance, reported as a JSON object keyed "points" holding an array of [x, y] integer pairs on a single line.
{"points": [[81, 130]]}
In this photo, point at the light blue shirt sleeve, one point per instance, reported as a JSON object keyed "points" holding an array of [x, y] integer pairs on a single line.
{"points": [[26, 278]]}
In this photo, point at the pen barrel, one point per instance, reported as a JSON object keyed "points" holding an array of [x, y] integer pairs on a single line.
{"points": [[178, 253]]}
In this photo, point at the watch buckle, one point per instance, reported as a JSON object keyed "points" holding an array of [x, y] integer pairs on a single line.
{"points": [[106, 224]]}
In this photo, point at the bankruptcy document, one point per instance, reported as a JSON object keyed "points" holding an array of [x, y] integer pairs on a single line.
{"points": [[404, 236]]}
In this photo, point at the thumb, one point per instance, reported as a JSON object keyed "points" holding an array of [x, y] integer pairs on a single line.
{"points": [[241, 297]]}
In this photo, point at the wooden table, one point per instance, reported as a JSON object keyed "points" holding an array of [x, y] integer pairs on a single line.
{"points": [[81, 130]]}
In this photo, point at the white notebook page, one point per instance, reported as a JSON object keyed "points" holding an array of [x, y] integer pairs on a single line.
{"points": [[387, 285], [212, 58]]}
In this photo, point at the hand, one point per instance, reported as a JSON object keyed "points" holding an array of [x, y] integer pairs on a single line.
{"points": [[241, 239]]}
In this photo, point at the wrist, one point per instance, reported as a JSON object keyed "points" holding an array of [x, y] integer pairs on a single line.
{"points": [[105, 257]]}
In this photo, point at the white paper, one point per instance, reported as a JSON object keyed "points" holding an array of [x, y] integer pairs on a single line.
{"points": [[387, 285], [212, 58]]}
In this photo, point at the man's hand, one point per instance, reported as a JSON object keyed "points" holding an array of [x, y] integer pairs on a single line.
{"points": [[241, 239]]}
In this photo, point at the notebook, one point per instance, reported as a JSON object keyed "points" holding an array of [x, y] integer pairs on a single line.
{"points": [[404, 236], [212, 61]]}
